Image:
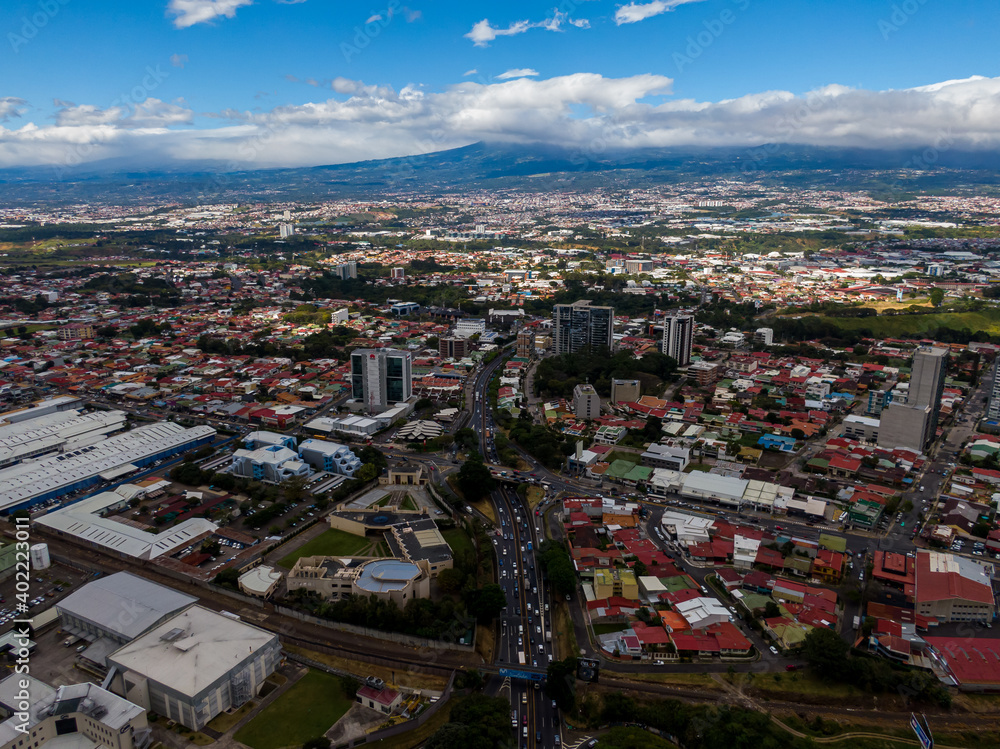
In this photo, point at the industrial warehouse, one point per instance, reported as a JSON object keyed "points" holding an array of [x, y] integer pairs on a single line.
{"points": [[31, 482]]}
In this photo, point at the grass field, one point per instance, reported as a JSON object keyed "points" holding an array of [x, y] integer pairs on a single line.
{"points": [[607, 628], [224, 721], [331, 542], [987, 320], [563, 634], [305, 711], [417, 736], [413, 679], [458, 540], [535, 495]]}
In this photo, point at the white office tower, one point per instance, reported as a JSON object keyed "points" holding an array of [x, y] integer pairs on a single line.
{"points": [[678, 334], [380, 378]]}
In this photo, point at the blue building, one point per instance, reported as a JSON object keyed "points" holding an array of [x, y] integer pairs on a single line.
{"points": [[785, 444]]}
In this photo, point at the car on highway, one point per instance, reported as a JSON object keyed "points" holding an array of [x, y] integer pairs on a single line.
{"points": [[773, 650]]}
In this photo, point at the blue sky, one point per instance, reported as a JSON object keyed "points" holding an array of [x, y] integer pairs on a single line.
{"points": [[247, 83]]}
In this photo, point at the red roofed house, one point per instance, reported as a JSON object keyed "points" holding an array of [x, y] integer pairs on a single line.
{"points": [[383, 700], [828, 566]]}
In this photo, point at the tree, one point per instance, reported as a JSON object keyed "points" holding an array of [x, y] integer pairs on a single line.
{"points": [[295, 488], [771, 610], [474, 478], [937, 297], [653, 429], [476, 722], [826, 653], [466, 437], [450, 580], [486, 603], [367, 472], [320, 742], [560, 683], [229, 578]]}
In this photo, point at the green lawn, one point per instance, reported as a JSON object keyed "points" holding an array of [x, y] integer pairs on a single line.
{"points": [[305, 711], [889, 326], [458, 540], [408, 503], [608, 627], [330, 543]]}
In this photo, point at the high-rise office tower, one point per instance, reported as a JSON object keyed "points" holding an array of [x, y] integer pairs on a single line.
{"points": [[993, 409], [579, 326], [678, 333], [381, 377], [927, 381]]}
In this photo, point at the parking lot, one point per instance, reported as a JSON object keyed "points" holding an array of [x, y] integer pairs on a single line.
{"points": [[44, 589]]}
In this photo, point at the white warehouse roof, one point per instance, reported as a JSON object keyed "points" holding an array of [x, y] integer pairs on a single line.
{"points": [[82, 520], [124, 603], [24, 481], [190, 652], [701, 484]]}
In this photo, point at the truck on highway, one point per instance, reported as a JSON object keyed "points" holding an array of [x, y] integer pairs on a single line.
{"points": [[548, 635], [520, 658]]}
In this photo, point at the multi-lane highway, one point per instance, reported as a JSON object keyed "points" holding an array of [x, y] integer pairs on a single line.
{"points": [[525, 640]]}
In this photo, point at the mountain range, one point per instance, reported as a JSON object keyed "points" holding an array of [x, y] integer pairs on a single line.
{"points": [[516, 167]]}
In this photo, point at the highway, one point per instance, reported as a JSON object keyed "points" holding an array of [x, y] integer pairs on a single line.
{"points": [[524, 639]]}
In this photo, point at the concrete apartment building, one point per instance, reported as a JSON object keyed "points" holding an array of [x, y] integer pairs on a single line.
{"points": [[579, 326], [620, 583], [625, 391], [913, 424], [927, 381], [454, 347], [993, 409], [678, 335], [586, 402], [525, 343]]}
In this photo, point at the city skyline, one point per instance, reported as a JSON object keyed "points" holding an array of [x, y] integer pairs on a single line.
{"points": [[243, 84]]}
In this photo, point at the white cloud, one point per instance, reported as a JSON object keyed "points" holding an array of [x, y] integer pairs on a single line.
{"points": [[149, 113], [635, 12], [374, 18], [178, 61], [517, 73], [483, 33], [11, 107], [473, 71], [190, 12], [583, 111]]}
